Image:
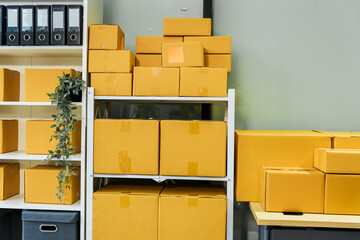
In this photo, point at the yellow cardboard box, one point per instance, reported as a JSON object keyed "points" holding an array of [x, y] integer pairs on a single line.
{"points": [[203, 82], [187, 27], [152, 44], [126, 146], [190, 54], [256, 149], [110, 37], [342, 194], [192, 213], [9, 85], [292, 190], [38, 134], [218, 61], [39, 82], [130, 211], [148, 60], [9, 180], [156, 81], [8, 136], [213, 44], [41, 182], [330, 160], [193, 148], [111, 61], [112, 84], [345, 140]]}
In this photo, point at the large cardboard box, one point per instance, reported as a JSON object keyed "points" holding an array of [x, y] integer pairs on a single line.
{"points": [[9, 85], [39, 82], [110, 37], [213, 44], [126, 211], [8, 135], [148, 60], [41, 182], [345, 140], [189, 54], [112, 84], [192, 213], [292, 190], [156, 81], [111, 61], [193, 148], [126, 146], [9, 180], [203, 82], [153, 44], [342, 194], [218, 60], [187, 27], [38, 134], [256, 149], [330, 160]]}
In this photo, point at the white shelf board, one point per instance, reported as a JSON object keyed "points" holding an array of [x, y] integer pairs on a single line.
{"points": [[160, 178], [17, 202], [14, 103], [41, 51], [18, 155]]}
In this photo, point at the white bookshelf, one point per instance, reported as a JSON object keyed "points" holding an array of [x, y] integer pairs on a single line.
{"points": [[20, 155]]}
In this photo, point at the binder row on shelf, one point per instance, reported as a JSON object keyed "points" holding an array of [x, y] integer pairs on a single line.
{"points": [[41, 25]]}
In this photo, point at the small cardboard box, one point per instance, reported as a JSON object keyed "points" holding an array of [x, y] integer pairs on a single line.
{"points": [[9, 180], [156, 81], [213, 44], [41, 182], [257, 148], [189, 54], [109, 37], [126, 146], [8, 135], [148, 60], [193, 148], [111, 61], [218, 61], [112, 84], [292, 190], [187, 27], [345, 140], [192, 213], [38, 134], [133, 207], [330, 160], [153, 44], [9, 85], [39, 82], [342, 194], [203, 82]]}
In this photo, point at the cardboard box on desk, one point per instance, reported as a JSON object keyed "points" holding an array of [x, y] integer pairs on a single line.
{"points": [[41, 182], [112, 84], [187, 27], [218, 61], [148, 60], [203, 82], [189, 54], [213, 44], [192, 213], [130, 211], [126, 146], [193, 148], [38, 134], [156, 81], [8, 135], [345, 140], [292, 190], [109, 37], [9, 180], [256, 149], [9, 85], [111, 61], [39, 82], [153, 44]]}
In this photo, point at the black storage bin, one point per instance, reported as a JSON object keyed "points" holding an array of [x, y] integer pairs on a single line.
{"points": [[4, 225], [50, 225]]}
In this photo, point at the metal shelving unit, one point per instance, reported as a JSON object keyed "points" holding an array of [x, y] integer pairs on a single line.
{"points": [[229, 103]]}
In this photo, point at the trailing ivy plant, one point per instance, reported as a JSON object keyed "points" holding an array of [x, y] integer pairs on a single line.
{"points": [[68, 88]]}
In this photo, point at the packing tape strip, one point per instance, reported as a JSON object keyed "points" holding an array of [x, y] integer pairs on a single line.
{"points": [[110, 91], [194, 128], [125, 126], [192, 168], [203, 92], [110, 56], [124, 162], [156, 72], [124, 201], [193, 202], [176, 54]]}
